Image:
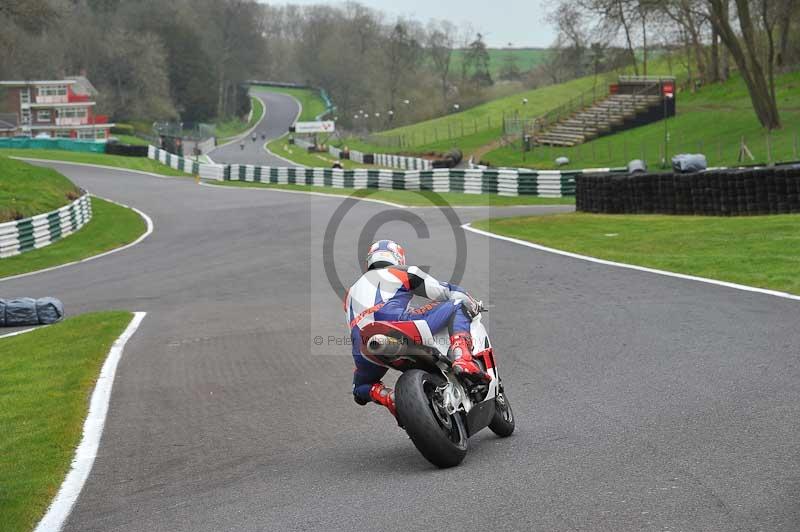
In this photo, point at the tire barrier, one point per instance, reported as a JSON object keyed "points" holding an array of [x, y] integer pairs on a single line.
{"points": [[24, 311], [725, 192], [41, 230], [551, 184]]}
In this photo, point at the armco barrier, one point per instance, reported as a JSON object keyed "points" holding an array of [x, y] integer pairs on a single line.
{"points": [[402, 162], [724, 192], [509, 182], [38, 231]]}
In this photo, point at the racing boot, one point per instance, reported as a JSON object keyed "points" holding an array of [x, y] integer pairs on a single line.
{"points": [[465, 366], [383, 396]]}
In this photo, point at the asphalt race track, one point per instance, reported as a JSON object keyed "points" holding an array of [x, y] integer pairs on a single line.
{"points": [[643, 402], [280, 112]]}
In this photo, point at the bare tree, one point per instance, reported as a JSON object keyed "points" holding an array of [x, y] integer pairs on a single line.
{"points": [[441, 40]]}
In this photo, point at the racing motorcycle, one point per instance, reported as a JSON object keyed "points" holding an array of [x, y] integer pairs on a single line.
{"points": [[437, 410]]}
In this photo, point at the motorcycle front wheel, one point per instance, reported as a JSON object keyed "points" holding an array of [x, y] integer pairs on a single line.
{"points": [[440, 437]]}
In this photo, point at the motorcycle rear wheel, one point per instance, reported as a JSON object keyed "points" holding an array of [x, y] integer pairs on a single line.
{"points": [[441, 438]]}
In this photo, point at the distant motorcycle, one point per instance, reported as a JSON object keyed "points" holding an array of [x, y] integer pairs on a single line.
{"points": [[434, 407]]}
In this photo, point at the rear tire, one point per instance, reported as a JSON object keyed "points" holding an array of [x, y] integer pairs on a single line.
{"points": [[503, 420], [441, 439]]}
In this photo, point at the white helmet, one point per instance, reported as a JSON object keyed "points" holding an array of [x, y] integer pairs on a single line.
{"points": [[387, 251]]}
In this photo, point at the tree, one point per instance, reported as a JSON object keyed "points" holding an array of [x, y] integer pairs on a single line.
{"points": [[477, 60], [760, 81], [510, 71], [401, 52], [441, 39]]}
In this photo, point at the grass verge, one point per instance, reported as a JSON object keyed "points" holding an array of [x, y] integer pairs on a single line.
{"points": [[27, 190], [111, 226], [412, 198], [282, 148], [117, 161], [761, 251], [225, 131], [47, 377], [313, 104], [131, 140]]}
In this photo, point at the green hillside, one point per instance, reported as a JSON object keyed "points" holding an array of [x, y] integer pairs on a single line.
{"points": [[482, 124], [712, 121], [525, 58]]}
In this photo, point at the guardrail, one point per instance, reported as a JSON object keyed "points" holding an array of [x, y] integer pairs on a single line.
{"points": [[504, 182], [41, 230]]}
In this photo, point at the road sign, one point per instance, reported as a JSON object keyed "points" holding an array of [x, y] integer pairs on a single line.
{"points": [[327, 126]]}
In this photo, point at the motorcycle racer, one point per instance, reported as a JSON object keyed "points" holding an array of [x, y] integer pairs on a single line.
{"points": [[383, 293]]}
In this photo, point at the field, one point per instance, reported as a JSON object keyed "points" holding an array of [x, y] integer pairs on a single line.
{"points": [[525, 58], [47, 377], [27, 190], [111, 226], [762, 251], [712, 121], [313, 105]]}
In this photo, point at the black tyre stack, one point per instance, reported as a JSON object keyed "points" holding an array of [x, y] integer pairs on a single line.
{"points": [[735, 192]]}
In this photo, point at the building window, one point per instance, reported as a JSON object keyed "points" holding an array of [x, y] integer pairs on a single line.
{"points": [[52, 91], [61, 134], [43, 115], [26, 116], [72, 112], [25, 96]]}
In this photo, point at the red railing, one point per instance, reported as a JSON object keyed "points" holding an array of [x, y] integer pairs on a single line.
{"points": [[77, 98]]}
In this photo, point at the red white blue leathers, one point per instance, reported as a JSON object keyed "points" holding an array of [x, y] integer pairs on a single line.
{"points": [[383, 294]]}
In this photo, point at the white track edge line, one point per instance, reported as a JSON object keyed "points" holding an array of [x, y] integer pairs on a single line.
{"points": [[104, 167], [309, 193], [17, 333], [82, 463], [240, 136], [148, 232], [296, 117], [726, 284]]}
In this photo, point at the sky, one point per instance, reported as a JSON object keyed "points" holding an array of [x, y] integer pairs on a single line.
{"points": [[520, 22]]}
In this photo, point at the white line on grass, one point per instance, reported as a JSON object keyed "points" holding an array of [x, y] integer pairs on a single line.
{"points": [[86, 452], [147, 233], [784, 295]]}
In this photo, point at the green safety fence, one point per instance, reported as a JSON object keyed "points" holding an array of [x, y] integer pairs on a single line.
{"points": [[53, 144]]}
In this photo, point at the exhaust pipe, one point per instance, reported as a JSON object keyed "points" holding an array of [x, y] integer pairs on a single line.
{"points": [[382, 345]]}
